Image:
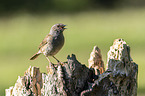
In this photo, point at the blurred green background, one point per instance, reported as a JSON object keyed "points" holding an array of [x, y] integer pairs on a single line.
{"points": [[24, 24]]}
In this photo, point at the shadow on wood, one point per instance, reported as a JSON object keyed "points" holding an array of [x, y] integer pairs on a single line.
{"points": [[75, 79]]}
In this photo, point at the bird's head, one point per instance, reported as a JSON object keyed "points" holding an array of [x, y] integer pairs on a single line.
{"points": [[57, 28]]}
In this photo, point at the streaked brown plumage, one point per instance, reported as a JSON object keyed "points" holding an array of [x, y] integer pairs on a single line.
{"points": [[52, 43]]}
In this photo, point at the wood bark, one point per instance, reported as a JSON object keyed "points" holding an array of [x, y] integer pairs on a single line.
{"points": [[75, 79]]}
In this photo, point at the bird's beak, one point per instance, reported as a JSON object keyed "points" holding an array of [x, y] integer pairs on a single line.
{"points": [[64, 27]]}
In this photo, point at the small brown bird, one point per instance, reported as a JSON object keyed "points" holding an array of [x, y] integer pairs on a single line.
{"points": [[52, 43]]}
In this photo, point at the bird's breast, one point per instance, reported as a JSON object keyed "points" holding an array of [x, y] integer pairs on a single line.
{"points": [[56, 44]]}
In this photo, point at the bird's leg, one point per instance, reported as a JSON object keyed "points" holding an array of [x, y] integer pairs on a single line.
{"points": [[56, 59], [48, 59]]}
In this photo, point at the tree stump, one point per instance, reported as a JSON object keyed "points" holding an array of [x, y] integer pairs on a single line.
{"points": [[75, 79]]}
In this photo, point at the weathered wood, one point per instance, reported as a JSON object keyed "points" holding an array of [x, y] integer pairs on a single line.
{"points": [[74, 79], [120, 78], [69, 79], [29, 84], [95, 61]]}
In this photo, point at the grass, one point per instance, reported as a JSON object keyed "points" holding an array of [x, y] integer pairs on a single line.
{"points": [[21, 34]]}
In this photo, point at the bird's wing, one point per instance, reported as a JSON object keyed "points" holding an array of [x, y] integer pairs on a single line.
{"points": [[45, 40]]}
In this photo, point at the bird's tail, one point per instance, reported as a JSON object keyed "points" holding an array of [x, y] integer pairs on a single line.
{"points": [[35, 56]]}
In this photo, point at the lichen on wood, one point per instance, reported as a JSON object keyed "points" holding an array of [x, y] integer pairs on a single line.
{"points": [[123, 68], [71, 78]]}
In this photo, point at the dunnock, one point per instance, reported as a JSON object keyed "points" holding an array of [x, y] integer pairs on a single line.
{"points": [[52, 43]]}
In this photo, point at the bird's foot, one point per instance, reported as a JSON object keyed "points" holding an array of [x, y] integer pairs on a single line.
{"points": [[61, 63]]}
